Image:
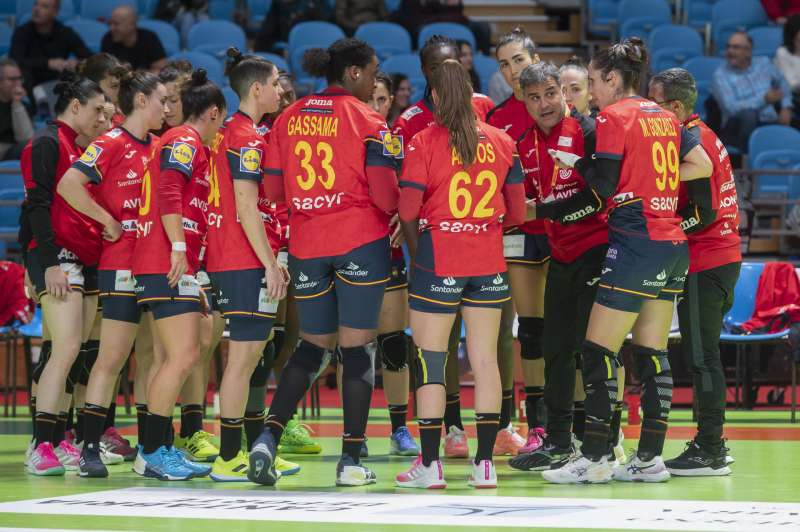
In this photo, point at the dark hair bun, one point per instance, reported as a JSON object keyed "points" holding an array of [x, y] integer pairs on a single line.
{"points": [[635, 49], [65, 82], [316, 62], [199, 77]]}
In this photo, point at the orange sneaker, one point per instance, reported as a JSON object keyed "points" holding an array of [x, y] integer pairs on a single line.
{"points": [[455, 443], [508, 442]]}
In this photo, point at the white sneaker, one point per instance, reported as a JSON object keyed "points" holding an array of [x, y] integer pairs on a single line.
{"points": [[619, 450], [68, 455], [106, 456], [580, 470], [483, 475], [349, 473], [420, 476], [637, 470], [29, 452]]}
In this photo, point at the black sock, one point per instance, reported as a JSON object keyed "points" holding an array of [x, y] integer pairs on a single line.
{"points": [[60, 428], [80, 425], [357, 389], [487, 425], [111, 418], [169, 435], [45, 426], [452, 412], [191, 419], [616, 421], [506, 408], [275, 426], [578, 419], [141, 421], [253, 426], [397, 414], [155, 434], [595, 438], [70, 419], [304, 364], [230, 435], [94, 421], [533, 395], [430, 433]]}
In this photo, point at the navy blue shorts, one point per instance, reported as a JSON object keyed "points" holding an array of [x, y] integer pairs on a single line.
{"points": [[241, 297], [398, 279], [153, 292], [81, 278], [205, 284], [345, 290], [638, 269], [118, 294], [525, 249]]}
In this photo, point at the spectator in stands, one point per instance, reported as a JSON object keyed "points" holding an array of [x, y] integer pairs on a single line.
{"points": [[183, 14], [787, 58], [43, 45], [402, 96], [781, 10], [350, 14], [413, 14], [141, 48], [749, 92], [283, 15], [465, 57], [499, 89], [16, 128]]}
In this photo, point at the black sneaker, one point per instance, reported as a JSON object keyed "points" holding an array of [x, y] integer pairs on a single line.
{"points": [[90, 464], [729, 459], [541, 459], [364, 452], [694, 461], [262, 460]]}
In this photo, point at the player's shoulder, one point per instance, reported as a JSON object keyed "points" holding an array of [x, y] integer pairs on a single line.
{"points": [[412, 111], [482, 98], [497, 108]]}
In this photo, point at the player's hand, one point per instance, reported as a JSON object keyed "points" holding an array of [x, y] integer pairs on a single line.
{"points": [[112, 231], [57, 282], [18, 94], [530, 210], [277, 281], [178, 265], [398, 237], [773, 95], [564, 159], [204, 306]]}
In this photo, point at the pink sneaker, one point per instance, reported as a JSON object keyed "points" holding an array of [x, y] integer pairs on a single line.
{"points": [[508, 442], [419, 476], [535, 440], [68, 455], [455, 443], [44, 462], [70, 436], [116, 444]]}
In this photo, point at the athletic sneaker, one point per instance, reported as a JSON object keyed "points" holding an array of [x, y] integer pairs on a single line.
{"points": [[619, 450], [401, 443], [68, 455], [29, 451], [580, 470], [233, 470], [541, 459], [43, 461], [364, 451], [163, 464], [696, 462], [115, 443], [296, 439], [455, 443], [199, 447], [262, 460], [106, 456], [729, 459], [285, 467], [91, 464], [535, 440], [421, 476], [349, 473], [483, 475], [71, 436], [508, 442], [199, 470], [637, 470]]}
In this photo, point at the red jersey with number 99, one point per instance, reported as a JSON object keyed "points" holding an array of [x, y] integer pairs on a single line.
{"points": [[182, 150], [648, 141], [463, 208]]}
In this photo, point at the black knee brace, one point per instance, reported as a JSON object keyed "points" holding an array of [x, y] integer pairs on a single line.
{"points": [[599, 380], [655, 374], [359, 362], [394, 350], [529, 335], [310, 358], [260, 375], [44, 356], [429, 367], [75, 370], [91, 348], [278, 336]]}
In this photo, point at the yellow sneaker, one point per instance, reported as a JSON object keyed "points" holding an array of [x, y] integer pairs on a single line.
{"points": [[285, 467], [296, 439], [198, 447], [233, 470]]}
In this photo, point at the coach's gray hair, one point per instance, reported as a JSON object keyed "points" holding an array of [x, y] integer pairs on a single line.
{"points": [[539, 73], [679, 85]]}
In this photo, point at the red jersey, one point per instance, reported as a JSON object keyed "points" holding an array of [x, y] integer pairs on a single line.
{"points": [[115, 163], [237, 153], [420, 116], [281, 209], [648, 141], [320, 147], [44, 161], [117, 119], [182, 150], [719, 243], [572, 135], [462, 208]]}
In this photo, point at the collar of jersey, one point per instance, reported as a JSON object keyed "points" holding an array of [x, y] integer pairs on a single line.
{"points": [[134, 137], [335, 91], [68, 131]]}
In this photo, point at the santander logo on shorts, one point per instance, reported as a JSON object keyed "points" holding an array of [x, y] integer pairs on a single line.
{"points": [[304, 282], [353, 270]]}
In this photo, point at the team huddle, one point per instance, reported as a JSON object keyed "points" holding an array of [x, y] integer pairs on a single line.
{"points": [[584, 225]]}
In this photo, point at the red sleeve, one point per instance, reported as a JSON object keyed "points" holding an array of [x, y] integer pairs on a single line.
{"points": [[482, 105], [609, 133], [514, 198], [383, 190], [170, 192], [410, 204], [413, 181], [273, 175]]}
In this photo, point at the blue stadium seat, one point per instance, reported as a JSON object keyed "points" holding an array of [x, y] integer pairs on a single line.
{"points": [[672, 45], [730, 16], [231, 99], [766, 39], [8, 7], [90, 31], [215, 36], [387, 38], [697, 13], [392, 5], [25, 7], [101, 10], [5, 38], [485, 66], [275, 59], [458, 32], [314, 33], [744, 294], [169, 36], [257, 11], [639, 17], [773, 137], [409, 65], [221, 9], [602, 15], [147, 8], [775, 147], [203, 60], [703, 92], [9, 214], [702, 68]]}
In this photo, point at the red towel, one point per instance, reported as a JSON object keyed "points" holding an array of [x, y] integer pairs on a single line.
{"points": [[777, 299]]}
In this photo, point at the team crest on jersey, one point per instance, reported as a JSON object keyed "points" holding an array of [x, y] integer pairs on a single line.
{"points": [[250, 160], [91, 154], [183, 154], [392, 145]]}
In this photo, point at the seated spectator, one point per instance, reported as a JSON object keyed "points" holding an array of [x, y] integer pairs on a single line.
{"points": [[42, 46], [465, 57], [350, 14], [183, 14], [283, 15], [787, 59], [16, 128], [401, 96], [413, 14], [141, 48], [749, 92], [780, 10]]}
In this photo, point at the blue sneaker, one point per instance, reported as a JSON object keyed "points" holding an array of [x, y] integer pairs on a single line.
{"points": [[198, 470], [262, 460], [161, 464], [401, 443]]}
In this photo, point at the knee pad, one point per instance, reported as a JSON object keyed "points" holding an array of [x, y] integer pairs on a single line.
{"points": [[75, 370], [278, 336], [655, 374], [429, 367], [260, 375], [394, 350], [44, 356], [359, 362], [599, 380], [91, 348], [529, 335], [310, 358]]}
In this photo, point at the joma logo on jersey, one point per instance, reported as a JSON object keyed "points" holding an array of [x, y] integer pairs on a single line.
{"points": [[319, 202], [200, 204]]}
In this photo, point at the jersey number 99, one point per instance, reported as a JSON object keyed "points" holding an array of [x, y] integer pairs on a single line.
{"points": [[323, 152], [460, 197], [666, 163]]}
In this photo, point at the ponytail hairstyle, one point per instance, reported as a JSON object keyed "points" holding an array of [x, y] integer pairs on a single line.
{"points": [[179, 71], [244, 70], [100, 66], [520, 36], [454, 109], [199, 94], [133, 83], [629, 58], [331, 63], [70, 87]]}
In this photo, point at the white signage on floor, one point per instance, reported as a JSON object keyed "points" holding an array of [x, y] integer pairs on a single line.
{"points": [[428, 509]]}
